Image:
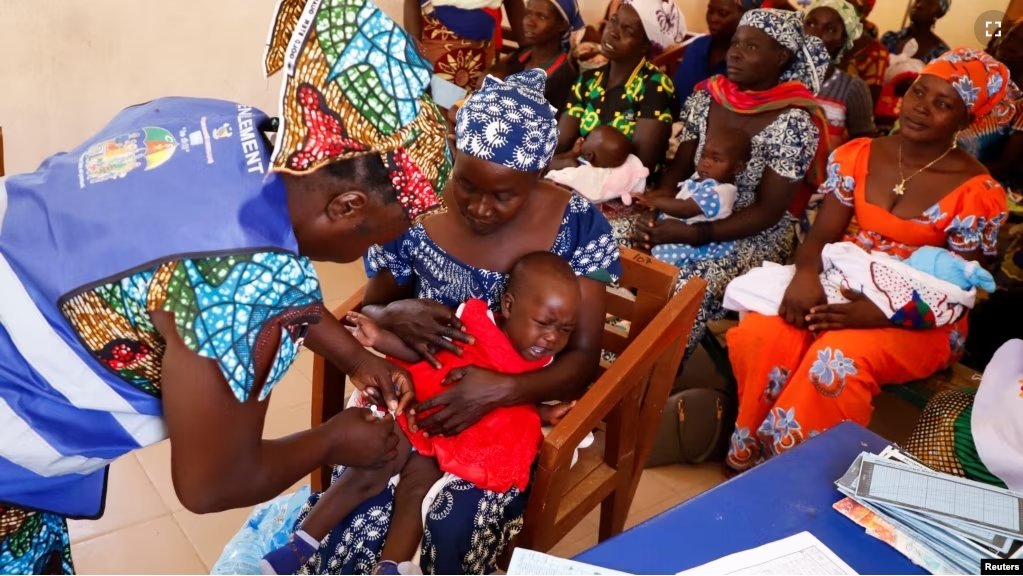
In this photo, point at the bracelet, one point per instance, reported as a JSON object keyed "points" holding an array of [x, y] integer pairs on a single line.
{"points": [[704, 233]]}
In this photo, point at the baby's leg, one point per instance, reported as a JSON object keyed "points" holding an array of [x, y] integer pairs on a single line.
{"points": [[403, 539], [354, 487]]}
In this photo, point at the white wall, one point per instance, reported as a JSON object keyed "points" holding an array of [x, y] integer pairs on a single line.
{"points": [[67, 66]]}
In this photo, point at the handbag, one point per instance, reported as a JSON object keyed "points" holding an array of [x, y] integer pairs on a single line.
{"points": [[696, 426]]}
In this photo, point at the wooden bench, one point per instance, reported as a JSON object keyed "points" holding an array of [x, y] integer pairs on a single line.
{"points": [[917, 393]]}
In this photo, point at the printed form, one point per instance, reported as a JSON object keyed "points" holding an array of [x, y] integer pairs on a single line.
{"points": [[793, 556]]}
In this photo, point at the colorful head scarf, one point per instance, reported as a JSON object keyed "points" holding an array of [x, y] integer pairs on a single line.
{"points": [[981, 81], [663, 22], [749, 4], [355, 84], [850, 18], [509, 123], [809, 57]]}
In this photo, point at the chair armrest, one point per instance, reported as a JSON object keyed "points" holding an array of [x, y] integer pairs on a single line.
{"points": [[614, 384]]}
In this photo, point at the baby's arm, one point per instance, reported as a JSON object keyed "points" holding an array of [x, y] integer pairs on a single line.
{"points": [[673, 207], [371, 335]]}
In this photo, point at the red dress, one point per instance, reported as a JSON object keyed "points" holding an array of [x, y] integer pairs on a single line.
{"points": [[497, 452]]}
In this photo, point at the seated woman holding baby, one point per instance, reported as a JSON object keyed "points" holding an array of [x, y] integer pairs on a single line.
{"points": [[749, 145], [815, 364], [629, 93], [498, 210]]}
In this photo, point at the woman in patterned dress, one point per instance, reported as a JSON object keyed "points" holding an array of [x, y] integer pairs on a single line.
{"points": [[141, 304], [629, 93], [923, 15], [774, 68], [498, 211], [815, 364], [457, 36], [868, 58]]}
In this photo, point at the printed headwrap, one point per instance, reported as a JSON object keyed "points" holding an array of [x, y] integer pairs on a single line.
{"points": [[509, 123], [809, 57], [355, 84], [981, 81], [662, 21], [569, 10], [850, 18], [749, 4]]}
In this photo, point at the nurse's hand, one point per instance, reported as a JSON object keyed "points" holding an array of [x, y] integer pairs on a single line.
{"points": [[385, 383], [361, 439]]}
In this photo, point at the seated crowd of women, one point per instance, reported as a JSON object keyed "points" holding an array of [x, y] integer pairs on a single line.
{"points": [[801, 86]]}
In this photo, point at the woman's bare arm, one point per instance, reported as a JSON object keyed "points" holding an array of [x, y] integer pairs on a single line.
{"points": [[830, 225], [219, 459], [650, 142]]}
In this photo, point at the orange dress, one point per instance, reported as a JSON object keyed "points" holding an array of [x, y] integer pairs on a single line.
{"points": [[794, 385]]}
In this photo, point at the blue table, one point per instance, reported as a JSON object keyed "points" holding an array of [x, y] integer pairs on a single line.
{"points": [[787, 495]]}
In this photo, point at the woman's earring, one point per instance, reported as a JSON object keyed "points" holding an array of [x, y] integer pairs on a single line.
{"points": [[955, 139]]}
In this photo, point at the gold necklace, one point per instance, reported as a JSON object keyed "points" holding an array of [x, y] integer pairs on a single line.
{"points": [[900, 188]]}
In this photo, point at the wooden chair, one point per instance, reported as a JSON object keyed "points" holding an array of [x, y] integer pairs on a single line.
{"points": [[627, 398]]}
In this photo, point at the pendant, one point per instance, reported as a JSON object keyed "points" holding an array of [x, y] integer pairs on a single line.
{"points": [[899, 189]]}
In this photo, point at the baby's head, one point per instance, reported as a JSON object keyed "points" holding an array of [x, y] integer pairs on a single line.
{"points": [[540, 305], [725, 155], [606, 147]]}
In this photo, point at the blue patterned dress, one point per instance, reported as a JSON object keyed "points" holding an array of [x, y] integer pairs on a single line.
{"points": [[220, 305], [467, 528], [787, 146]]}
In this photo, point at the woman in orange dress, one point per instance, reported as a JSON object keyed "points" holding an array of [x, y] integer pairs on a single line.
{"points": [[815, 365]]}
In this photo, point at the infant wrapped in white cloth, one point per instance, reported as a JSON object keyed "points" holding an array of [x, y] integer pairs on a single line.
{"points": [[903, 290]]}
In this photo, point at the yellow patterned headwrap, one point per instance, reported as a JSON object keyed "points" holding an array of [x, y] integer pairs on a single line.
{"points": [[355, 84]]}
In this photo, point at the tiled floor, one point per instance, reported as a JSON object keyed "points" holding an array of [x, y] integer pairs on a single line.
{"points": [[147, 531]]}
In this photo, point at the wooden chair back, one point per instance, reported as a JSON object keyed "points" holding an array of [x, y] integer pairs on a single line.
{"points": [[626, 401]]}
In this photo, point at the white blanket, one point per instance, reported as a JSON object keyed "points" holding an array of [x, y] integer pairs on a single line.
{"points": [[997, 420], [887, 282]]}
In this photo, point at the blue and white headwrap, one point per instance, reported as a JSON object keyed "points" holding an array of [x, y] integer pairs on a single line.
{"points": [[569, 10], [509, 123], [810, 58]]}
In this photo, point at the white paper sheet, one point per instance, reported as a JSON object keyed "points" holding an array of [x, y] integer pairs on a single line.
{"points": [[792, 556], [530, 562]]}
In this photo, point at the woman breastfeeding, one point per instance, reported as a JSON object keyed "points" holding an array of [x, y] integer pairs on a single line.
{"points": [[815, 365], [629, 94], [774, 69], [498, 210]]}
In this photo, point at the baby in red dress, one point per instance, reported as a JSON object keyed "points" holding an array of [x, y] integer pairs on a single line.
{"points": [[538, 315]]}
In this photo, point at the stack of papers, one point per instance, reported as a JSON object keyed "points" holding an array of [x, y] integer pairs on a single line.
{"points": [[943, 523]]}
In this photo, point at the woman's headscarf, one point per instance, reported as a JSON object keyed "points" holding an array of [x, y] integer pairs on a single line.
{"points": [[749, 4], [850, 18], [981, 81], [509, 123], [663, 22], [569, 10], [943, 6], [809, 57], [355, 84]]}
